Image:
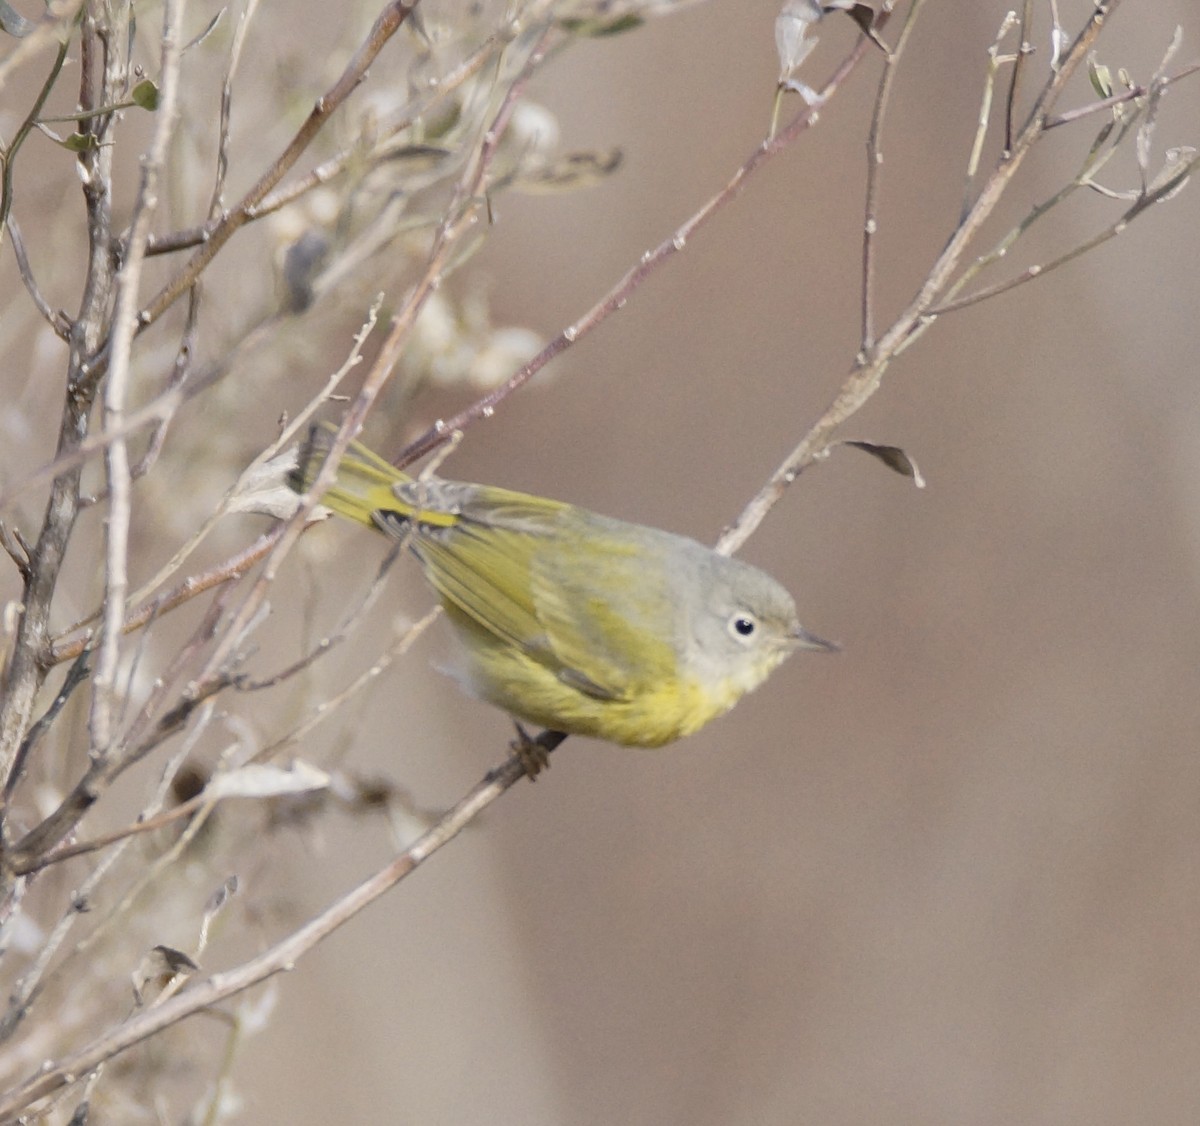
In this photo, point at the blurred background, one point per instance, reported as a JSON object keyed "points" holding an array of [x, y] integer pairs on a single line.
{"points": [[948, 875]]}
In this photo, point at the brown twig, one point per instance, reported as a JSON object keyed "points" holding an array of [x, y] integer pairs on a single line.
{"points": [[1020, 66], [387, 23], [98, 83], [864, 380], [650, 263], [232, 568], [874, 171], [329, 169], [124, 327], [282, 956], [56, 320]]}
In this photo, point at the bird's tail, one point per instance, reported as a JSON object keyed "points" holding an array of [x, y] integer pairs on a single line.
{"points": [[365, 483]]}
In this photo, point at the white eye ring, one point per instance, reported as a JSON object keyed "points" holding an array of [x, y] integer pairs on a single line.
{"points": [[742, 626]]}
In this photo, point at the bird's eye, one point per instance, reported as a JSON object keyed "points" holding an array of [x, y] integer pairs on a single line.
{"points": [[742, 626]]}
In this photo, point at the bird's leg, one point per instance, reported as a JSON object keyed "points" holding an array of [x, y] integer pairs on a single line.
{"points": [[534, 751]]}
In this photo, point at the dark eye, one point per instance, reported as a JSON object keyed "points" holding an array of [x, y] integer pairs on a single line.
{"points": [[742, 625]]}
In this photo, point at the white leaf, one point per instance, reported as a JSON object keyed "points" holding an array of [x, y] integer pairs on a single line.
{"points": [[261, 780]]}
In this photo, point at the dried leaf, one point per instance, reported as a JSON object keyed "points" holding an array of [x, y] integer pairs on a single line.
{"points": [[176, 961], [791, 34], [893, 457], [157, 967], [570, 172], [598, 28], [262, 780], [212, 24], [13, 22], [861, 14], [220, 897]]}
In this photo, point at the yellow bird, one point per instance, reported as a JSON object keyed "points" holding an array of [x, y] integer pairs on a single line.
{"points": [[576, 622]]}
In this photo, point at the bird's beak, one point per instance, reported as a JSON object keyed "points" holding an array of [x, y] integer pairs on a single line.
{"points": [[805, 640]]}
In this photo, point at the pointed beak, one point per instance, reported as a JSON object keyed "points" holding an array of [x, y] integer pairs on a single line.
{"points": [[805, 640]]}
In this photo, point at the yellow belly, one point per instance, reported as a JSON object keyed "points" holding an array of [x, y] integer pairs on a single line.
{"points": [[650, 717]]}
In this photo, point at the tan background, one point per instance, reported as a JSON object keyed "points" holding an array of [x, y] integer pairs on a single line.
{"points": [[948, 876]]}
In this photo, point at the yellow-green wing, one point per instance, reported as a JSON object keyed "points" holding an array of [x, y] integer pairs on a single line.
{"points": [[485, 574], [602, 600], [573, 591]]}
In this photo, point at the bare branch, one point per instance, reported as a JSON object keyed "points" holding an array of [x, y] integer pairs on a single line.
{"points": [[282, 956], [116, 389], [649, 265]]}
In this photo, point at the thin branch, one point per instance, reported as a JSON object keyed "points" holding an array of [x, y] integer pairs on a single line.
{"points": [[329, 169], [116, 388], [863, 381], [1020, 66], [387, 23], [114, 913], [344, 629], [649, 264], [232, 568], [874, 171], [56, 320], [223, 132], [23, 131], [1133, 94], [76, 675], [984, 120], [1158, 195], [282, 956]]}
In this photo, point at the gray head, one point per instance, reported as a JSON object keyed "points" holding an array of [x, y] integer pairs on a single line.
{"points": [[740, 624]]}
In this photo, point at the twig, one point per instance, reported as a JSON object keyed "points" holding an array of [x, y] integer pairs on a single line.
{"points": [[327, 707], [387, 23], [1131, 95], [1020, 66], [347, 626], [232, 568], [282, 956], [23, 131], [1149, 199], [864, 379], [874, 171], [649, 264], [116, 388], [329, 169], [27, 667], [984, 120], [33, 983], [56, 321], [76, 675]]}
